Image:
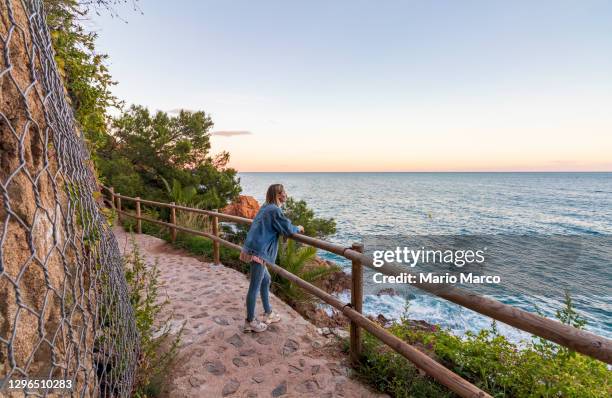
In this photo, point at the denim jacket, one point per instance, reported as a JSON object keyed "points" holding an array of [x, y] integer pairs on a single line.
{"points": [[262, 238]]}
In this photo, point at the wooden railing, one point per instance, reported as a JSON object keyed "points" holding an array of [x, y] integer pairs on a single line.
{"points": [[578, 340]]}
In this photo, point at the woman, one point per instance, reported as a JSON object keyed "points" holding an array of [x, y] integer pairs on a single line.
{"points": [[261, 244]]}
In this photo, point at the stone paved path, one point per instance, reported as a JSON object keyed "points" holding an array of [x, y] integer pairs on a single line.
{"points": [[217, 359]]}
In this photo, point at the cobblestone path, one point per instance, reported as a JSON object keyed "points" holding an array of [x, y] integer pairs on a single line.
{"points": [[217, 359]]}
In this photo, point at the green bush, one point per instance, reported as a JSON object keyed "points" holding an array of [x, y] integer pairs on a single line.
{"points": [[487, 359], [204, 247], [300, 214], [294, 259], [390, 372], [148, 228], [83, 69]]}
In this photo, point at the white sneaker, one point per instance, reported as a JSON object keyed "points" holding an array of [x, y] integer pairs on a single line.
{"points": [[271, 317], [254, 326]]}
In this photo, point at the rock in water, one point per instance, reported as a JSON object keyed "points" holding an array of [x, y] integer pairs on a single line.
{"points": [[244, 206]]}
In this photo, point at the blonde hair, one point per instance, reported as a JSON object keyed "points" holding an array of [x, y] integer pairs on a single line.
{"points": [[273, 192]]}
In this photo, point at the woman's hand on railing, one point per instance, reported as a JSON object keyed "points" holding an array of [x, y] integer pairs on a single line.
{"points": [[300, 229]]}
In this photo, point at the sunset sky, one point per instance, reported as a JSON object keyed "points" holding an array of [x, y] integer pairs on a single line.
{"points": [[378, 85]]}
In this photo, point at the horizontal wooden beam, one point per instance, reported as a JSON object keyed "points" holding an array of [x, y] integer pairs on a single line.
{"points": [[578, 340], [434, 369]]}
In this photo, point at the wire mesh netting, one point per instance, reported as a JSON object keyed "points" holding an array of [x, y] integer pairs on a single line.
{"points": [[64, 306]]}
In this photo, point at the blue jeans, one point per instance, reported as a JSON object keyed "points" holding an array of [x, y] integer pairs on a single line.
{"points": [[260, 281]]}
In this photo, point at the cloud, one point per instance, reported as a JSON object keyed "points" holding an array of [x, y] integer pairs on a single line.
{"points": [[231, 133]]}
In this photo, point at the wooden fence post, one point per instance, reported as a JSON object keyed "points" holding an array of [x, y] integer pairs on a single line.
{"points": [[356, 303], [173, 222], [112, 193], [138, 220], [118, 208], [215, 226]]}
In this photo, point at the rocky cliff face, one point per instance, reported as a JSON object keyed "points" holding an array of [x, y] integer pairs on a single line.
{"points": [[46, 296], [244, 206], [33, 250]]}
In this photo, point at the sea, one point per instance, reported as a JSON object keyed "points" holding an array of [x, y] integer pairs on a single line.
{"points": [[551, 207]]}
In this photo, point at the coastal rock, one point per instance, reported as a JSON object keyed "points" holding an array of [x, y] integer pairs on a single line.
{"points": [[382, 320], [389, 291], [324, 331], [243, 206], [340, 333], [317, 344], [319, 317], [335, 282]]}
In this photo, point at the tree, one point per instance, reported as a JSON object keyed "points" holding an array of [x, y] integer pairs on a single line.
{"points": [[155, 147], [86, 77], [134, 151]]}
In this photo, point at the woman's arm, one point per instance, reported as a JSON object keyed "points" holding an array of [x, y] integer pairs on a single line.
{"points": [[283, 225]]}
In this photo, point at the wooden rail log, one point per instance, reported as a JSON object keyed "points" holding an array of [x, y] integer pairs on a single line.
{"points": [[437, 371], [579, 340]]}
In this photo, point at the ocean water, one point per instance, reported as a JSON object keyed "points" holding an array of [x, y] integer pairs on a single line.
{"points": [[471, 204]]}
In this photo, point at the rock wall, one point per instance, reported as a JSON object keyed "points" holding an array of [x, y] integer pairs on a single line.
{"points": [[46, 328]]}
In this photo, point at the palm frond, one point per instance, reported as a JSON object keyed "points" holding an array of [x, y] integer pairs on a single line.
{"points": [[317, 273], [166, 184], [305, 254]]}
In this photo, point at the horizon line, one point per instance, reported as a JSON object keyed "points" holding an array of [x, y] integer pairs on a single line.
{"points": [[449, 171]]}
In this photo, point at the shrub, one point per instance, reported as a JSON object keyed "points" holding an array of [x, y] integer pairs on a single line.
{"points": [[157, 352], [490, 361], [204, 247], [148, 228], [110, 215], [294, 259], [390, 372], [300, 214], [188, 197]]}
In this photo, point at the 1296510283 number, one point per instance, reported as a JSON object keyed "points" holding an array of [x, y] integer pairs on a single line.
{"points": [[40, 384]]}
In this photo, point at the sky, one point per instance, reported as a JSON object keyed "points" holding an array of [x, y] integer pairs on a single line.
{"points": [[377, 85]]}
